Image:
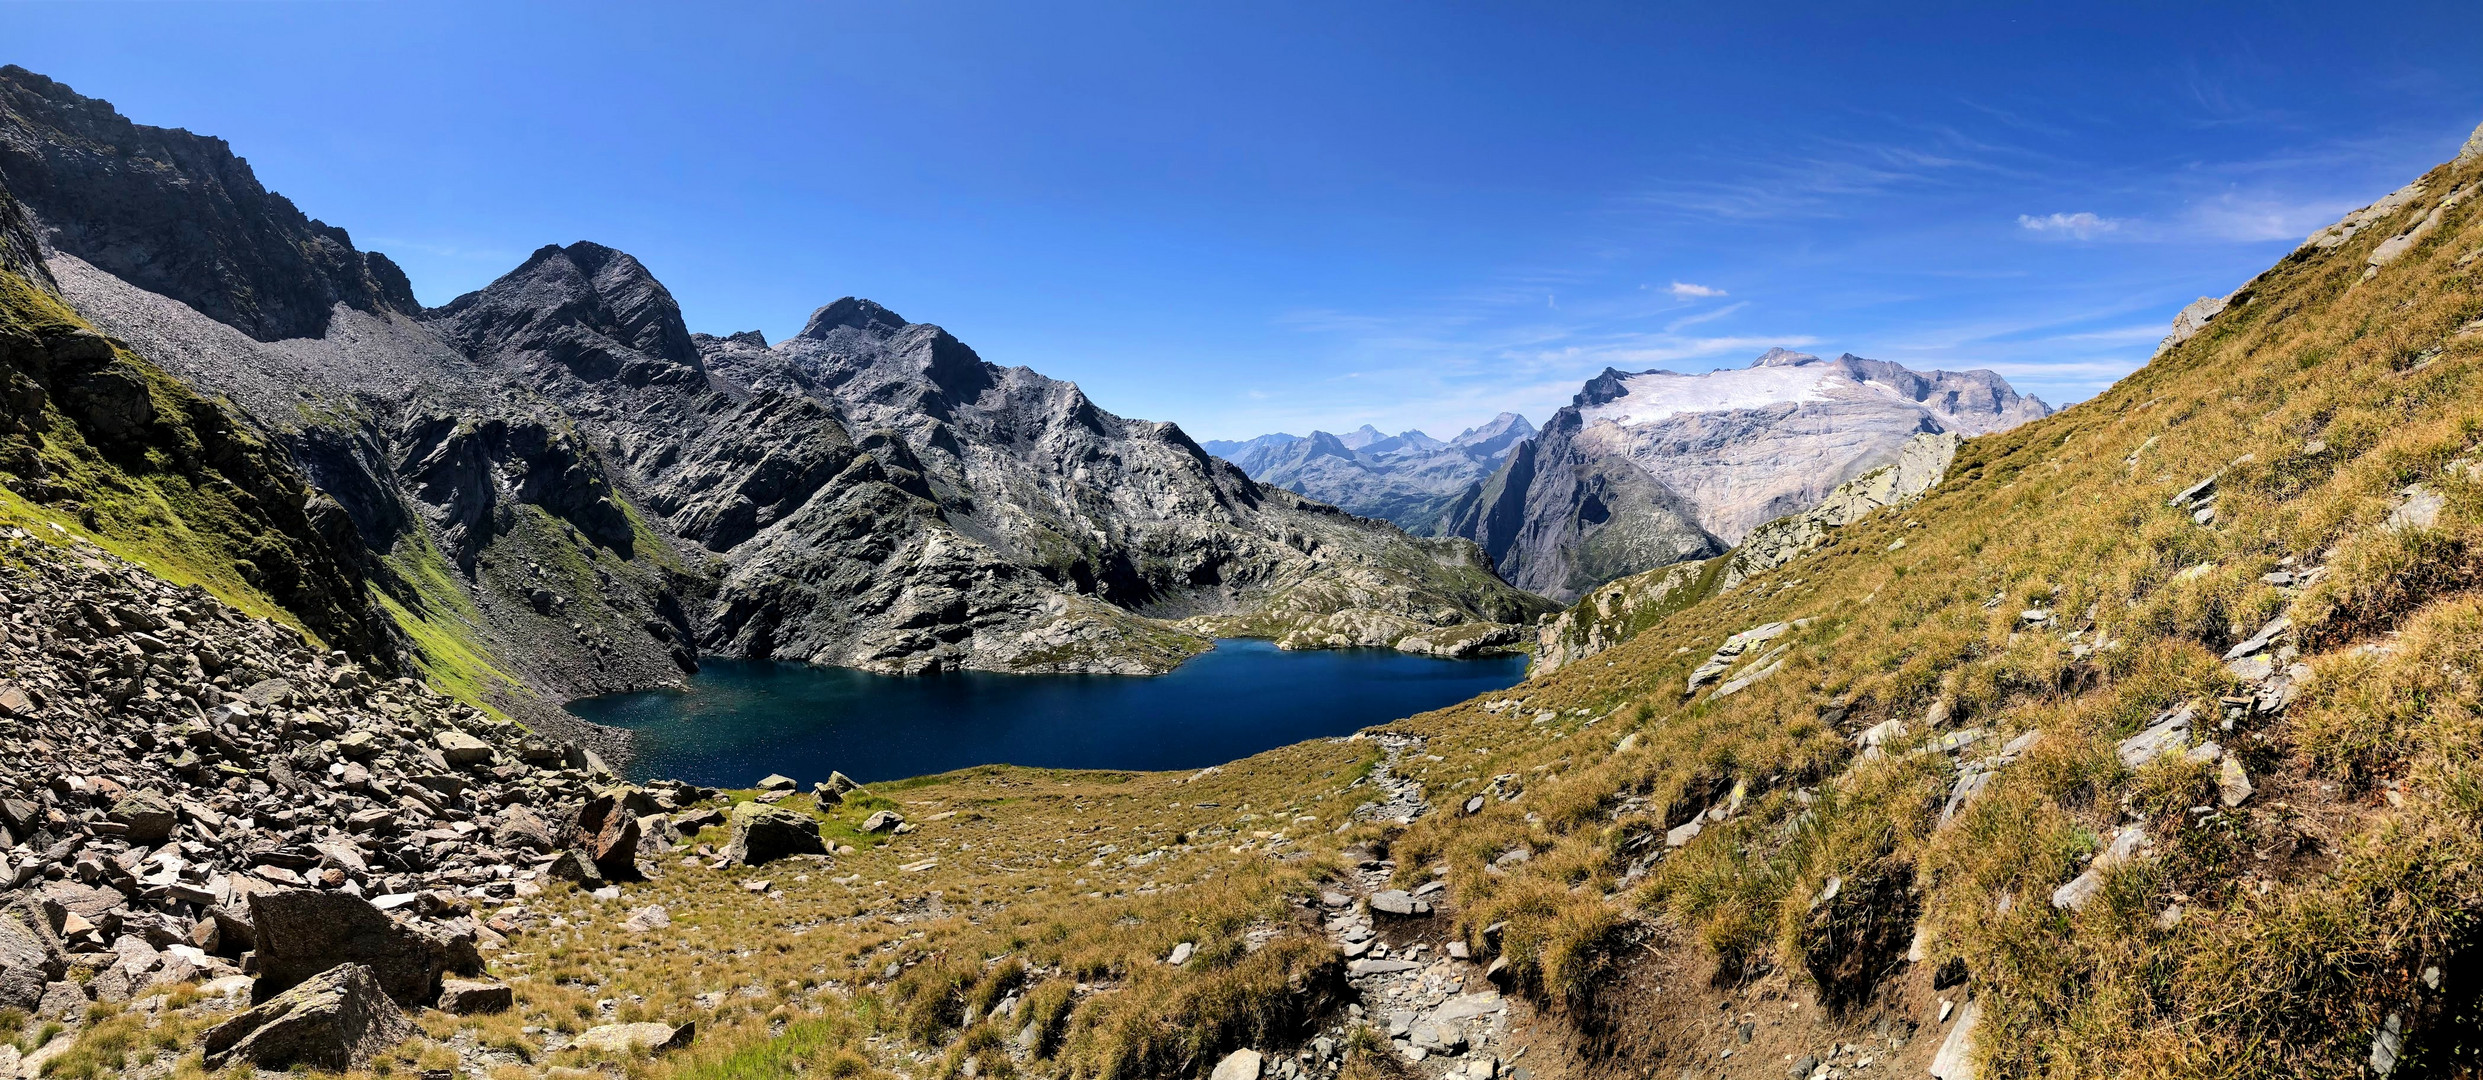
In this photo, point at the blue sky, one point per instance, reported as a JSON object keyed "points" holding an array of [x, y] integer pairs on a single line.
{"points": [[1253, 217]]}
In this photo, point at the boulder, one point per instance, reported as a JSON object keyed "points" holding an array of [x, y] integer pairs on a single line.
{"points": [[647, 919], [574, 866], [335, 1020], [635, 1038], [467, 997], [303, 932], [149, 817], [608, 830], [615, 848], [776, 782], [64, 1001], [359, 745], [882, 821], [1239, 1065], [30, 957], [463, 750], [521, 828], [764, 834]]}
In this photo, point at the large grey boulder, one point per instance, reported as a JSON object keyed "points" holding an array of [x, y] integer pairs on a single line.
{"points": [[763, 834], [1955, 1058], [519, 827], [303, 932], [336, 1020]]}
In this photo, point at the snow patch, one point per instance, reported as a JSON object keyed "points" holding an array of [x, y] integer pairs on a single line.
{"points": [[1660, 394]]}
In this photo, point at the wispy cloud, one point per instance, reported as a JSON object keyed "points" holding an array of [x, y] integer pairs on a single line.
{"points": [[2085, 225], [2256, 217], [1704, 316], [1687, 291]]}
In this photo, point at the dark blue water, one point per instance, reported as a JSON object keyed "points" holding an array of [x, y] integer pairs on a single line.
{"points": [[741, 720]]}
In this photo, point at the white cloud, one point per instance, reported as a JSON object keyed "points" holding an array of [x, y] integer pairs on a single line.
{"points": [[2083, 225], [1687, 291]]}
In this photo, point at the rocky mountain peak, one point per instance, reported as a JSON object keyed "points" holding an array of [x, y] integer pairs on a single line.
{"points": [[853, 313], [1361, 437], [1655, 467], [179, 215], [1784, 357], [1604, 388], [1495, 436], [591, 308]]}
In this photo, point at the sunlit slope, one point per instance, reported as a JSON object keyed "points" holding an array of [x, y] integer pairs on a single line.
{"points": [[2273, 916]]}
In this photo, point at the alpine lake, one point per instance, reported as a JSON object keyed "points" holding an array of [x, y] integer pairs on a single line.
{"points": [[736, 721]]}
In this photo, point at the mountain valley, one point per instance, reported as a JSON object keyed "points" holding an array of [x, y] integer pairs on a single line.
{"points": [[1879, 722]]}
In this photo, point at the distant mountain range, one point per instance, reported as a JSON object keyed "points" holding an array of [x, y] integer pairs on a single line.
{"points": [[1643, 469], [1409, 478]]}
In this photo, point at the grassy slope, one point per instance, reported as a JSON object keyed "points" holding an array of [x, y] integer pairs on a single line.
{"points": [[2308, 914], [195, 499]]}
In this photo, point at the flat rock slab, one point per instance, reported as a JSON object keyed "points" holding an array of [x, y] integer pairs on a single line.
{"points": [[636, 1038], [1398, 902], [462, 997], [1379, 967], [462, 749]]}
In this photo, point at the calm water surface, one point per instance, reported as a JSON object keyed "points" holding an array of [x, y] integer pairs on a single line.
{"points": [[740, 720]]}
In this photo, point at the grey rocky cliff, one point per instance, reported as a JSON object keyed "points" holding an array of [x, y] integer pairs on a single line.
{"points": [[1408, 478], [178, 214], [1652, 468], [1055, 527]]}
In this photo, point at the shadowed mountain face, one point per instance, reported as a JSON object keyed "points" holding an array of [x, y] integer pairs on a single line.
{"points": [[567, 491], [1409, 478], [1648, 469], [178, 214]]}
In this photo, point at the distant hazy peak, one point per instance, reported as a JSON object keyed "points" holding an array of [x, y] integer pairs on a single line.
{"points": [[1493, 435], [1361, 437], [1783, 357], [854, 313]]}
